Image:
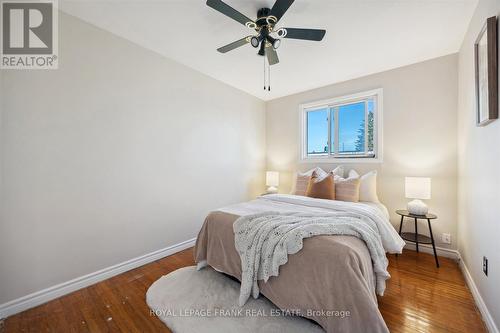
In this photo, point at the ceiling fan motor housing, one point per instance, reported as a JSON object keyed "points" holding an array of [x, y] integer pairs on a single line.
{"points": [[264, 24], [262, 15]]}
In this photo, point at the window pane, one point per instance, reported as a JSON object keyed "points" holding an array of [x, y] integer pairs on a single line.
{"points": [[370, 126], [332, 130], [317, 132], [351, 118]]}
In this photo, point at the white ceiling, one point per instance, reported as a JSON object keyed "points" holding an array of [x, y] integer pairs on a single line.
{"points": [[363, 37]]}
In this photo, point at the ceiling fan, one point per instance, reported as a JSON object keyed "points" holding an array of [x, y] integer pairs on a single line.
{"points": [[267, 39]]}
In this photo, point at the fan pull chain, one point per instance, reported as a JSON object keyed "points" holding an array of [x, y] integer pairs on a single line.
{"points": [[264, 73], [269, 77]]}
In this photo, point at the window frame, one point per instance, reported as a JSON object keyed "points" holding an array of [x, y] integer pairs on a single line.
{"points": [[332, 103]]}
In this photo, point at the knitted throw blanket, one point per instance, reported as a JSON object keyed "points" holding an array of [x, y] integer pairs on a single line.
{"points": [[265, 240]]}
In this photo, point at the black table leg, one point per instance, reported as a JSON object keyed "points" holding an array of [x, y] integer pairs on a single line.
{"points": [[433, 245], [416, 234], [400, 227]]}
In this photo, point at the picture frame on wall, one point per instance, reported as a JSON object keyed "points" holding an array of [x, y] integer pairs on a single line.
{"points": [[486, 73]]}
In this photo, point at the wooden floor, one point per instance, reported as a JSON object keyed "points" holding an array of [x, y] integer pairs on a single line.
{"points": [[419, 298]]}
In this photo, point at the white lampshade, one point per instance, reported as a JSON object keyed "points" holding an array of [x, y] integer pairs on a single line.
{"points": [[272, 178], [418, 188]]}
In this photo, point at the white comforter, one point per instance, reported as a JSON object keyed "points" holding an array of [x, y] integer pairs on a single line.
{"points": [[391, 241]]}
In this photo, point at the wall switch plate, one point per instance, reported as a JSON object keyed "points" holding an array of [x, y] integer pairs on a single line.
{"points": [[446, 238], [485, 266]]}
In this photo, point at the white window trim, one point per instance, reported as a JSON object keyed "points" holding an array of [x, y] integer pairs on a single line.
{"points": [[378, 128]]}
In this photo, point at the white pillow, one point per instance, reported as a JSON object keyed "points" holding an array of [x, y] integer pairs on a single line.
{"points": [[338, 171], [301, 180], [368, 186]]}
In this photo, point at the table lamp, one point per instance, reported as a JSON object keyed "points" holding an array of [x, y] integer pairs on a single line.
{"points": [[272, 181], [417, 188]]}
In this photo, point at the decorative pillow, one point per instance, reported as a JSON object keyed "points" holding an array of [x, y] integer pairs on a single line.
{"points": [[302, 180], [347, 189], [321, 188], [368, 186], [338, 171]]}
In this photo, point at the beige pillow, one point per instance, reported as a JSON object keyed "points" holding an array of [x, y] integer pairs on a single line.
{"points": [[321, 188], [368, 185], [302, 180], [347, 189]]}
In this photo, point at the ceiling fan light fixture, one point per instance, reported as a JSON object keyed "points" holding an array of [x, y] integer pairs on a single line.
{"points": [[255, 41], [274, 42]]}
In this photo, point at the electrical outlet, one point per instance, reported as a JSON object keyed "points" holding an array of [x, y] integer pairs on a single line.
{"points": [[485, 266], [446, 238]]}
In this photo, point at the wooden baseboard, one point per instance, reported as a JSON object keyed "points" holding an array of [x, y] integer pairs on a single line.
{"points": [[48, 294], [485, 313], [441, 251]]}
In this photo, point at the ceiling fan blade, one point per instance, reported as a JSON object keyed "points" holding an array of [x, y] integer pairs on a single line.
{"points": [[272, 56], [234, 45], [280, 7], [230, 12], [307, 34]]}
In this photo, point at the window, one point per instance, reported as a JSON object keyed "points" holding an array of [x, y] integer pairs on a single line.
{"points": [[343, 128]]}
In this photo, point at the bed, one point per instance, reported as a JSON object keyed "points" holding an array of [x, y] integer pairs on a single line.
{"points": [[330, 277]]}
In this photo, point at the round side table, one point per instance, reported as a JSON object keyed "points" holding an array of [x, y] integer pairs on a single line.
{"points": [[415, 237]]}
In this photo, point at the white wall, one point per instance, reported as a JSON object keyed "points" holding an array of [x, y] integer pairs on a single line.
{"points": [[118, 153], [1, 145], [479, 177], [420, 103]]}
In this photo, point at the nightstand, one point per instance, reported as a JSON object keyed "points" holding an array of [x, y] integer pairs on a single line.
{"points": [[415, 237]]}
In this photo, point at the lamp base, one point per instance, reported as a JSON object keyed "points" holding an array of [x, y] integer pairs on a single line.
{"points": [[417, 207], [272, 190]]}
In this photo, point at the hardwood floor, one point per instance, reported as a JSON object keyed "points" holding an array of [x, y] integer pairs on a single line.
{"points": [[422, 298], [419, 298]]}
